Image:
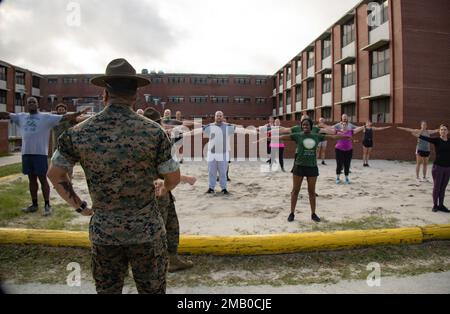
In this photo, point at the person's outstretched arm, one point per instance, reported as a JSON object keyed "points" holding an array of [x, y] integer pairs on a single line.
{"points": [[412, 131], [358, 130], [188, 180], [381, 129], [5, 116], [73, 116]]}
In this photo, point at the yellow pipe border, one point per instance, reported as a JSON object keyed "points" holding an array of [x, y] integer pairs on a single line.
{"points": [[250, 245]]}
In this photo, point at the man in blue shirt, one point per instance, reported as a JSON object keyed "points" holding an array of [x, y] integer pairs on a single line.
{"points": [[35, 128]]}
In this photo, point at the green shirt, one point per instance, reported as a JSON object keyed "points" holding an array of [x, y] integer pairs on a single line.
{"points": [[306, 153]]}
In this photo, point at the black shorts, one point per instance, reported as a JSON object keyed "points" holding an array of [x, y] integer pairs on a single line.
{"points": [[368, 144], [423, 154], [309, 172], [35, 165]]}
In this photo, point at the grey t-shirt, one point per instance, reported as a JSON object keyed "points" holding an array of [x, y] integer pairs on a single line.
{"points": [[219, 137], [422, 145], [339, 126], [35, 130]]}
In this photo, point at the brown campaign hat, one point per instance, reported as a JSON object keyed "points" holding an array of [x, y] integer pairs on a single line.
{"points": [[119, 69]]}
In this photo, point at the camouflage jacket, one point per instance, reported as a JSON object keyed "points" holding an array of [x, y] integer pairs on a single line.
{"points": [[122, 154]]}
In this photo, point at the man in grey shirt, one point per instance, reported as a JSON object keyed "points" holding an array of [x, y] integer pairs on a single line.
{"points": [[35, 129]]}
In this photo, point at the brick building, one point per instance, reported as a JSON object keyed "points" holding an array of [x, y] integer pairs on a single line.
{"points": [[393, 70]]}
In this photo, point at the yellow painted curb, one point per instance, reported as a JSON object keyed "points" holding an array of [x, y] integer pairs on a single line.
{"points": [[10, 178], [249, 245], [437, 232]]}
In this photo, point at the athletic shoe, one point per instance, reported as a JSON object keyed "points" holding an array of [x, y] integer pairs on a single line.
{"points": [[435, 209], [228, 179], [210, 191], [317, 195], [291, 217], [443, 209], [315, 218], [225, 192], [30, 209], [347, 181], [324, 163], [338, 181], [425, 180], [47, 210]]}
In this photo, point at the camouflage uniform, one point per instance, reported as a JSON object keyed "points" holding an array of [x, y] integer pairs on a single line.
{"points": [[57, 131], [122, 154], [166, 205]]}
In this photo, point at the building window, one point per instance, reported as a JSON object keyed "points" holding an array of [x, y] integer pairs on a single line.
{"points": [[49, 100], [280, 101], [242, 81], [326, 83], [156, 80], [298, 94], [18, 100], [384, 14], [289, 74], [86, 80], [288, 98], [281, 78], [326, 48], [380, 111], [3, 73], [242, 100], [176, 99], [380, 61], [36, 82], [20, 78], [176, 80], [221, 81], [220, 99], [69, 100], [350, 111], [348, 75], [299, 67], [310, 89], [69, 80], [261, 81], [298, 115], [326, 114], [261, 100], [52, 81], [199, 80], [348, 33], [310, 58], [3, 96], [199, 100]]}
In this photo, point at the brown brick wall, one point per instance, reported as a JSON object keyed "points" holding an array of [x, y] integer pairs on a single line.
{"points": [[426, 40]]}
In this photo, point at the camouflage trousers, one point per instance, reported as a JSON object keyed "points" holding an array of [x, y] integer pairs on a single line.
{"points": [[149, 263], [166, 205]]}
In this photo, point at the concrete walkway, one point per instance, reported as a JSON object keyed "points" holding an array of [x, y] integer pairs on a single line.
{"points": [[424, 284], [15, 159]]}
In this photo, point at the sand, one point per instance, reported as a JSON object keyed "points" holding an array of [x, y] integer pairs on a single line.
{"points": [[260, 200]]}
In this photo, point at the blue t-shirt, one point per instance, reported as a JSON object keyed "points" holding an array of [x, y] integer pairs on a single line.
{"points": [[219, 137], [35, 130]]}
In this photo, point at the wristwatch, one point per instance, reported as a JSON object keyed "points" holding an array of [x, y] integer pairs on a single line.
{"points": [[81, 208]]}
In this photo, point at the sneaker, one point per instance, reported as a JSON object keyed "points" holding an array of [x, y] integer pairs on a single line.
{"points": [[228, 179], [291, 217], [30, 209], [425, 180], [210, 191], [435, 209], [443, 209], [315, 218], [178, 264], [347, 181], [225, 192], [47, 211], [338, 181], [324, 163]]}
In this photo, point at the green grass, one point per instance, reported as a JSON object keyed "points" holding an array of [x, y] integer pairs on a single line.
{"points": [[36, 264], [14, 196], [365, 223], [5, 155], [10, 169]]}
